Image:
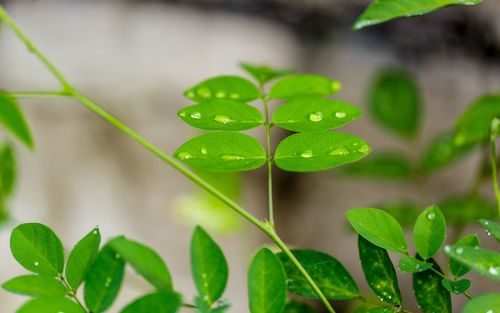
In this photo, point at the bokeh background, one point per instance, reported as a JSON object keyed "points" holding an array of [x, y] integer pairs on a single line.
{"points": [[136, 58]]}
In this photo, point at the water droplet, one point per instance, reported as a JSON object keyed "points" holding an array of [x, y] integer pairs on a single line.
{"points": [[493, 271], [108, 282], [184, 155], [95, 232], [232, 157], [190, 94], [204, 92], [204, 151], [431, 216], [220, 94], [447, 248], [306, 154], [486, 223], [490, 311], [36, 263], [316, 117], [340, 114], [459, 250], [234, 96], [365, 149], [195, 115], [223, 119], [339, 151]]}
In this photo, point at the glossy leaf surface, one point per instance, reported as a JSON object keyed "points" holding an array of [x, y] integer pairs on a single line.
{"points": [[458, 268], [429, 291], [81, 258], [298, 307], [303, 85], [409, 264], [388, 165], [35, 286], [50, 305], [13, 119], [484, 303], [263, 73], [317, 151], [456, 287], [164, 302], [429, 232], [492, 228], [224, 87], [485, 262]]}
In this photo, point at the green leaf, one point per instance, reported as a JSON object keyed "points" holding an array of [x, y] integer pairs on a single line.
{"points": [[386, 165], [318, 151], [328, 273], [379, 228], [208, 265], [223, 152], [50, 305], [263, 73], [404, 212], [442, 151], [409, 264], [35, 286], [379, 271], [224, 115], [163, 302], [266, 283], [103, 281], [145, 261], [294, 306], [484, 303], [224, 87], [463, 210], [314, 113], [394, 101], [303, 85], [382, 309], [474, 124], [384, 10], [492, 228], [38, 249], [485, 262], [7, 171], [429, 232], [13, 119], [430, 294], [81, 258], [458, 268], [203, 307], [457, 287]]}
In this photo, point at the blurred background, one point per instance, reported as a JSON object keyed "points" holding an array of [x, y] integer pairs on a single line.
{"points": [[136, 57]]}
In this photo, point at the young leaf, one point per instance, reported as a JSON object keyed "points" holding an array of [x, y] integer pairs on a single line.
{"points": [[485, 262], [303, 85], [50, 305], [223, 152], [7, 171], [442, 151], [379, 228], [431, 295], [38, 249], [220, 114], [492, 228], [35, 286], [387, 165], [145, 261], [379, 271], [328, 273], [409, 264], [224, 87], [263, 73], [384, 10], [314, 113], [13, 119], [81, 258], [266, 283], [429, 232], [103, 281], [458, 268], [395, 102], [484, 303], [208, 265], [298, 307], [318, 151], [163, 302], [457, 287]]}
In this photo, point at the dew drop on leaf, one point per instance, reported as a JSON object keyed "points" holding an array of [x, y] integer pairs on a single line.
{"points": [[220, 94], [204, 92], [431, 216], [316, 117], [234, 96], [196, 115], [36, 263], [223, 119], [493, 271], [340, 114], [231, 157], [184, 155], [204, 151], [306, 154], [339, 151], [459, 250]]}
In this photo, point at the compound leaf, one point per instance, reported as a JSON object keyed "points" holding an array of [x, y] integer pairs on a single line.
{"points": [[50, 305], [163, 302], [458, 268], [263, 73], [429, 232], [485, 262], [409, 264], [13, 119], [317, 151], [457, 287], [303, 85], [223, 152], [484, 303], [429, 291], [492, 228], [386, 165], [224, 87], [81, 258], [35, 286]]}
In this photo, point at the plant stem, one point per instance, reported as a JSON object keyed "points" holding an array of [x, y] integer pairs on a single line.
{"points": [[38, 94], [269, 159], [72, 293]]}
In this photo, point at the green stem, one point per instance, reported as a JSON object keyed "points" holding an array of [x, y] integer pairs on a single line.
{"points": [[72, 293], [493, 158], [269, 159], [38, 94]]}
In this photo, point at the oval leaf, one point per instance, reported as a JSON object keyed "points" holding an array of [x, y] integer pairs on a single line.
{"points": [[484, 303], [145, 261], [223, 152], [208, 265], [457, 287], [379, 271], [429, 232], [35, 286], [13, 119], [266, 283], [458, 268], [81, 258], [312, 114], [165, 302], [492, 228], [7, 171], [222, 115], [384, 10], [224, 87], [395, 102], [409, 264], [485, 262], [303, 85], [263, 73], [328, 273], [38, 249], [318, 151], [387, 165], [379, 228], [50, 305], [431, 295], [103, 281]]}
